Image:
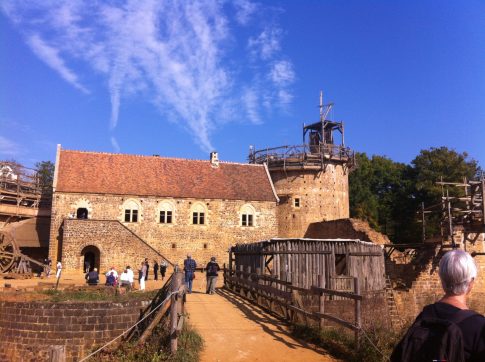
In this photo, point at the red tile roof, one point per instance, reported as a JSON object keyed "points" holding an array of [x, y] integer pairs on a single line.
{"points": [[120, 174]]}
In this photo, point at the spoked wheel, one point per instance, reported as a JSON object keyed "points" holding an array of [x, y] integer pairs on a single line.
{"points": [[8, 252]]}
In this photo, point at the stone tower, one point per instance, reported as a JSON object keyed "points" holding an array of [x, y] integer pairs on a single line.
{"points": [[311, 180]]}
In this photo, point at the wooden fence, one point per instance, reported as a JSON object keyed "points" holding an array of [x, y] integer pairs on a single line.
{"points": [[301, 261], [175, 306], [286, 299]]}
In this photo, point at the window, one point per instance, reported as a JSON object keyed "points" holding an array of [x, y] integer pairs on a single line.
{"points": [[165, 217], [165, 212], [198, 218], [247, 215], [198, 214], [296, 201], [82, 213], [247, 220], [340, 264], [131, 211]]}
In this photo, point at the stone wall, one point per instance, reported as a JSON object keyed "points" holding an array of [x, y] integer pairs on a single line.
{"points": [[345, 229], [421, 280], [323, 195], [222, 226], [28, 329], [117, 245]]}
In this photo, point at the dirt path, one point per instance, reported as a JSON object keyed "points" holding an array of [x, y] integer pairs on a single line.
{"points": [[235, 330]]}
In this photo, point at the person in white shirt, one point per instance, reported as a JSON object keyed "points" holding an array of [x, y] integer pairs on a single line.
{"points": [[59, 269], [125, 279], [131, 275]]}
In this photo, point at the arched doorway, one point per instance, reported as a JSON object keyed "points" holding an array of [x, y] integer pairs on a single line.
{"points": [[90, 256], [82, 213]]}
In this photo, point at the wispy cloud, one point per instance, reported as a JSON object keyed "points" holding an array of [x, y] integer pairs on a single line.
{"points": [[51, 57], [177, 54], [9, 148], [282, 73], [115, 144], [266, 44]]}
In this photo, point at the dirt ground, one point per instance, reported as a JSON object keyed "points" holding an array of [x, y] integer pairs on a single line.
{"points": [[25, 290], [232, 328], [235, 330]]}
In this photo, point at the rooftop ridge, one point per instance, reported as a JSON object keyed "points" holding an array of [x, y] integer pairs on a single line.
{"points": [[159, 157]]}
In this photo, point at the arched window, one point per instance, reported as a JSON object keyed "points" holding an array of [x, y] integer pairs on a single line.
{"points": [[247, 215], [199, 214], [82, 213], [131, 211], [165, 213]]}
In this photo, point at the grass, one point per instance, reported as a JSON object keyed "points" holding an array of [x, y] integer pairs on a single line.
{"points": [[157, 347], [342, 345], [99, 295]]}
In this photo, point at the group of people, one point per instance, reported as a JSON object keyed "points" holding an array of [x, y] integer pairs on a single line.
{"points": [[212, 269], [113, 279], [144, 269]]}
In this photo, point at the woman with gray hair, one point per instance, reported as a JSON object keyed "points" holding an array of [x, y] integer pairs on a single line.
{"points": [[447, 330]]}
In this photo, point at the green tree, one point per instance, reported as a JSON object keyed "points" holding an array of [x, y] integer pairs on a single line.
{"points": [[45, 175], [436, 164], [389, 194]]}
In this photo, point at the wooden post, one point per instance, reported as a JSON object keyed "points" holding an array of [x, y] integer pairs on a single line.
{"points": [[258, 298], [230, 261], [358, 321], [57, 354], [224, 274], [241, 287], [174, 310], [321, 284]]}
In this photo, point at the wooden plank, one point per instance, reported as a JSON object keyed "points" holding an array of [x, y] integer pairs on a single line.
{"points": [[276, 252], [364, 254], [335, 292]]}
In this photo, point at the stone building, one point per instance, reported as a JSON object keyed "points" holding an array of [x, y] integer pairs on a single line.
{"points": [[115, 209]]}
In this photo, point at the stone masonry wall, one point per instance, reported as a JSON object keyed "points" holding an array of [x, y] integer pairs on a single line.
{"points": [[346, 229], [324, 195], [222, 226], [28, 329], [425, 288], [117, 245]]}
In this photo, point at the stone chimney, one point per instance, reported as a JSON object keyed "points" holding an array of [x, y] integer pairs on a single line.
{"points": [[214, 158]]}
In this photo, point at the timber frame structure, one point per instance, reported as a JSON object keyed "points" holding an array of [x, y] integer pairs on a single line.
{"points": [[319, 147]]}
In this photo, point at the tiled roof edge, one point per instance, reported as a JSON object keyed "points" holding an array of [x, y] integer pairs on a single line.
{"points": [[160, 157]]}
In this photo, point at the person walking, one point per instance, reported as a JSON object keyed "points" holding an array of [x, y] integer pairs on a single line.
{"points": [[447, 330], [147, 268], [211, 274], [189, 269], [155, 269], [163, 269], [142, 275]]}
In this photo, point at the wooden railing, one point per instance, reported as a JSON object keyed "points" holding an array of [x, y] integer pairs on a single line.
{"points": [[284, 299], [174, 289]]}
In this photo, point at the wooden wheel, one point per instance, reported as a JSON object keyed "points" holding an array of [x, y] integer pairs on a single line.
{"points": [[8, 252]]}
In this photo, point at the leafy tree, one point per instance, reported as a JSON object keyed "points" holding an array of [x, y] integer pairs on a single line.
{"points": [[388, 194], [45, 175]]}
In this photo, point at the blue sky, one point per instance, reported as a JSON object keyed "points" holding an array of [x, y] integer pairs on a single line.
{"points": [[183, 78]]}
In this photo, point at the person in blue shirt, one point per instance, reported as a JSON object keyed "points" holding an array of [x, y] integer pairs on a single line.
{"points": [[189, 269]]}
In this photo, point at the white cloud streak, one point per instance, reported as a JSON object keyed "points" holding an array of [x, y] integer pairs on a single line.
{"points": [[115, 144], [9, 148], [51, 57], [177, 54]]}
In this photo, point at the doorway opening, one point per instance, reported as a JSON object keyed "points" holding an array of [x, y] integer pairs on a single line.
{"points": [[91, 258]]}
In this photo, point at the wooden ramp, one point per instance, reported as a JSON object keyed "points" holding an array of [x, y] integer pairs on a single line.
{"points": [[235, 330]]}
